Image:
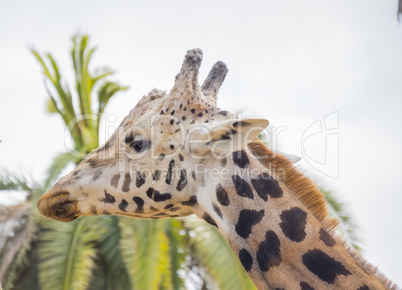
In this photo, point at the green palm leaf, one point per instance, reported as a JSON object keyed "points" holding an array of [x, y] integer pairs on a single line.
{"points": [[347, 228], [144, 247], [67, 253], [28, 275], [100, 75], [63, 103], [54, 77], [105, 93], [216, 256], [59, 163], [173, 275], [10, 181], [111, 272]]}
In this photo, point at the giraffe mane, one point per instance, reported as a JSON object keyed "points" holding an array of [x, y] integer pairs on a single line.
{"points": [[301, 186], [309, 194]]}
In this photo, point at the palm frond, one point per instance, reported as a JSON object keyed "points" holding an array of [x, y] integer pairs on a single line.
{"points": [[52, 106], [111, 272], [66, 108], [145, 251], [28, 275], [55, 79], [97, 76], [16, 234], [105, 93], [67, 253], [347, 227], [173, 277], [83, 83], [11, 181], [59, 163], [86, 81], [62, 91], [215, 255], [46, 71], [14, 182]]}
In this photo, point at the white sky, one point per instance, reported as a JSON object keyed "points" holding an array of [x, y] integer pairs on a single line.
{"points": [[292, 62]]}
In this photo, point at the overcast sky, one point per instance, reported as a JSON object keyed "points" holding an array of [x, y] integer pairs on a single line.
{"points": [[292, 62]]}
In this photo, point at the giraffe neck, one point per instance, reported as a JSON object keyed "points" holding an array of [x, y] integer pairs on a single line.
{"points": [[279, 242]]}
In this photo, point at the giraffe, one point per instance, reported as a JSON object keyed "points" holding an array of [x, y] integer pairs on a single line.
{"points": [[178, 154]]}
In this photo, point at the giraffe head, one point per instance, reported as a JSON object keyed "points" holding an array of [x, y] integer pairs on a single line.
{"points": [[150, 167]]}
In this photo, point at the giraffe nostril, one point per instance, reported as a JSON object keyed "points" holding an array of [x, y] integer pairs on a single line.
{"points": [[58, 205], [64, 211]]}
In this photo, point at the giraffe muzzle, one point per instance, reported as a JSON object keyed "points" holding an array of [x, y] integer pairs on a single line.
{"points": [[58, 206]]}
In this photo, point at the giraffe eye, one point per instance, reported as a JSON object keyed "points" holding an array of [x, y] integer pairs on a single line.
{"points": [[140, 145], [137, 142]]}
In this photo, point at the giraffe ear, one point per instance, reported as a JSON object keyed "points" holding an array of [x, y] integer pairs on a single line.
{"points": [[231, 135]]}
